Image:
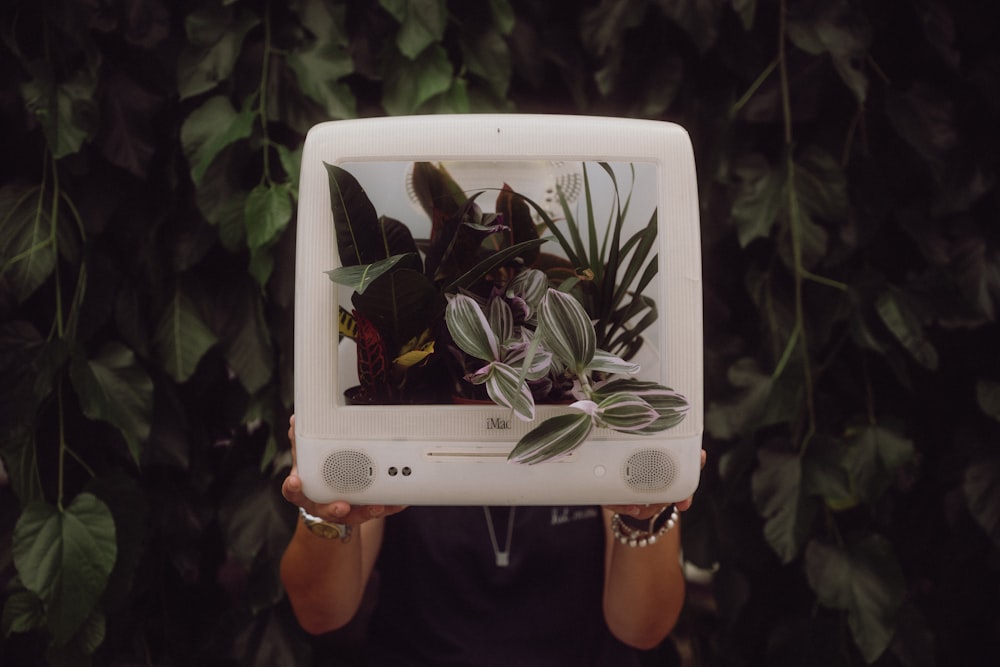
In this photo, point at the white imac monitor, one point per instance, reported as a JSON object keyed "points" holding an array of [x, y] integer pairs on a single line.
{"points": [[405, 212]]}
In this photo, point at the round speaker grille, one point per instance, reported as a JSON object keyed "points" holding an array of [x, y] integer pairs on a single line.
{"points": [[348, 471], [649, 470]]}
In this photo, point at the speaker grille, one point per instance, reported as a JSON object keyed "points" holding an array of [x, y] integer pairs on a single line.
{"points": [[649, 470], [348, 471]]}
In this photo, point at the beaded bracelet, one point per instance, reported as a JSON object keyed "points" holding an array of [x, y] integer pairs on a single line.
{"points": [[635, 537]]}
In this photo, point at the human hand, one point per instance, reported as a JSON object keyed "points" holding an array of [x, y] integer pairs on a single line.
{"points": [[649, 511], [339, 511]]}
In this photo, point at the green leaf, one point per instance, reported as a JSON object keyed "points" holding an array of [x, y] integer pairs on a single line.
{"points": [[23, 612], [321, 64], [27, 254], [247, 340], [113, 387], [625, 412], [422, 23], [212, 127], [216, 38], [182, 338], [505, 387], [66, 111], [988, 397], [487, 55], [842, 32], [268, 210], [554, 437], [876, 453], [864, 580], [777, 493], [760, 195], [825, 472], [898, 315], [359, 277], [65, 558], [401, 304], [982, 494], [566, 330], [354, 218], [470, 329], [503, 16], [410, 83]]}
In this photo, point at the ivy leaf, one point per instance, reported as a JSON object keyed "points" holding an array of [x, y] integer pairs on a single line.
{"points": [[778, 495], [182, 338], [238, 318], [503, 16], [26, 251], [841, 32], [23, 612], [410, 83], [422, 23], [486, 55], [215, 38], [876, 453], [321, 64], [268, 210], [113, 387], [212, 127], [864, 580], [66, 111], [898, 315], [988, 398], [127, 120], [760, 195], [65, 557], [982, 495], [825, 472]]}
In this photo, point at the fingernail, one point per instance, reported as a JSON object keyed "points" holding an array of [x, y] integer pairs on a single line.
{"points": [[375, 512]]}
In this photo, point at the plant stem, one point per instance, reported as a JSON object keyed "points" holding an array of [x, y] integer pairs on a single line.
{"points": [[262, 93], [794, 218]]}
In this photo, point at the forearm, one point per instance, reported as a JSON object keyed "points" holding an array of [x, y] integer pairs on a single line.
{"points": [[325, 579], [643, 589]]}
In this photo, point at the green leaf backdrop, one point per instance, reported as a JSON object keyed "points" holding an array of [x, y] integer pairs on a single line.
{"points": [[848, 159]]}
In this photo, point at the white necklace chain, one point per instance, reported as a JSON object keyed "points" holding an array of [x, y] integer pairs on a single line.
{"points": [[502, 556]]}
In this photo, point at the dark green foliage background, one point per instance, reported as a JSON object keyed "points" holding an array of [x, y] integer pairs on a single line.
{"points": [[848, 157]]}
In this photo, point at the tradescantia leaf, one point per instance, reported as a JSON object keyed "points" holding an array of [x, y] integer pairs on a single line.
{"points": [[566, 330], [554, 437], [779, 497], [670, 406], [470, 329], [114, 388], [65, 557], [504, 386], [864, 579], [605, 362], [626, 412]]}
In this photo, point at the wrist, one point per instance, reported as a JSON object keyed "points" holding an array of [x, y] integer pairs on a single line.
{"points": [[327, 530], [635, 532]]}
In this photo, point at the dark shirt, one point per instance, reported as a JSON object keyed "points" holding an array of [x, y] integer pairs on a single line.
{"points": [[443, 601]]}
